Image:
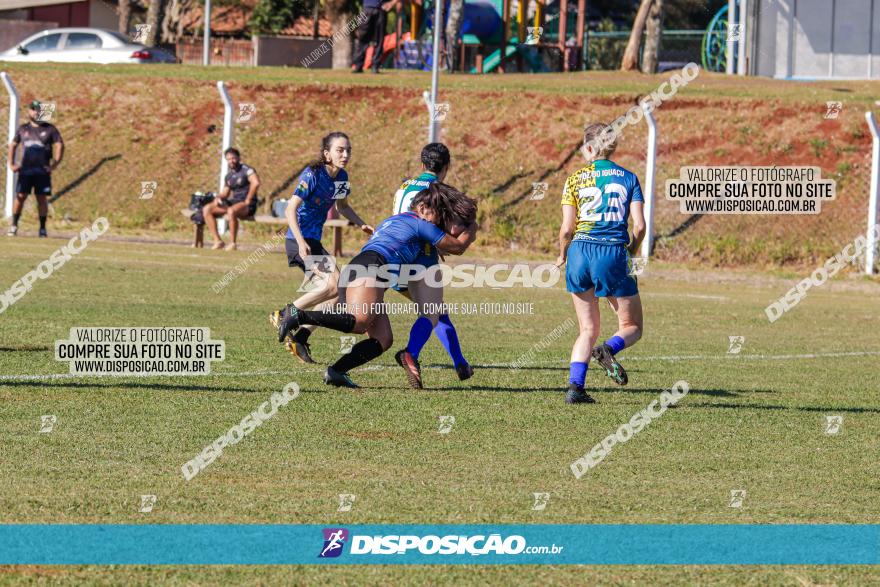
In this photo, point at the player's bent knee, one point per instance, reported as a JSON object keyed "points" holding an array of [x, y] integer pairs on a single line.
{"points": [[386, 341]]}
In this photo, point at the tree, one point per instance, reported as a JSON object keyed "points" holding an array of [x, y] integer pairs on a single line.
{"points": [[339, 13], [172, 23], [631, 54], [124, 11], [154, 15], [273, 16], [453, 29], [652, 42]]}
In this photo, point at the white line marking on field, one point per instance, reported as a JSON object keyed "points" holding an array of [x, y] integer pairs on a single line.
{"points": [[54, 376], [695, 296]]}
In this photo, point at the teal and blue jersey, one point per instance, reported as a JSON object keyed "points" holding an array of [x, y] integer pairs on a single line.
{"points": [[319, 193], [400, 239], [602, 193], [407, 192]]}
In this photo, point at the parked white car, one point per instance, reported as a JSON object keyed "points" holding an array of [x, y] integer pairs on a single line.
{"points": [[84, 45]]}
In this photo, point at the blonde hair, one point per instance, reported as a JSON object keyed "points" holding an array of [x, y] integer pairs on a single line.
{"points": [[602, 138]]}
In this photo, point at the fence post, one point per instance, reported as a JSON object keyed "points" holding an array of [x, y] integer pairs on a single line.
{"points": [[13, 126], [228, 127], [650, 180], [872, 196]]}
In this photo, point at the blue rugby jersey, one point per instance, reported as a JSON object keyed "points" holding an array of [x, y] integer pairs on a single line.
{"points": [[318, 192]]}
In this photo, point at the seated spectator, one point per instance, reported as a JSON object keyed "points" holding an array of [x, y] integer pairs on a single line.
{"points": [[242, 183]]}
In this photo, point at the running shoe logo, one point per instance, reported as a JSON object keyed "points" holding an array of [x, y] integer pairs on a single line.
{"points": [[334, 540]]}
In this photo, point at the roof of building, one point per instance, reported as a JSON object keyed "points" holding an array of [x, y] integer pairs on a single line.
{"points": [[233, 20]]}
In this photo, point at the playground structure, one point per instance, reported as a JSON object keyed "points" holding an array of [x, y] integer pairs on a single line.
{"points": [[496, 35]]}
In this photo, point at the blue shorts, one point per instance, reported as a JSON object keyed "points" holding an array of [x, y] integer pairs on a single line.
{"points": [[603, 267]]}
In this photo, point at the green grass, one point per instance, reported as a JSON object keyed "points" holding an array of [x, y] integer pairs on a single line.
{"points": [[752, 421]]}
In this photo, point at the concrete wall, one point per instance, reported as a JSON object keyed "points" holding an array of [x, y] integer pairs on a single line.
{"points": [[102, 15], [818, 38], [292, 51]]}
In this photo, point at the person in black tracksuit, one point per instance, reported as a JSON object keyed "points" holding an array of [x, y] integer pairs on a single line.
{"points": [[42, 152], [371, 32]]}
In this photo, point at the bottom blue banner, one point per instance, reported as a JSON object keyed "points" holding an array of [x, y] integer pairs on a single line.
{"points": [[615, 544]]}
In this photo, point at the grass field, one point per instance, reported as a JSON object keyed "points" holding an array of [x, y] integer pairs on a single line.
{"points": [[753, 421]]}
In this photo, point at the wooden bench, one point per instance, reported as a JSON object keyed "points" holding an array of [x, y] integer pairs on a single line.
{"points": [[336, 224]]}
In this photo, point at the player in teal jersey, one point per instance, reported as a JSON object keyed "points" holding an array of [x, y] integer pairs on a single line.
{"points": [[595, 245], [435, 165]]}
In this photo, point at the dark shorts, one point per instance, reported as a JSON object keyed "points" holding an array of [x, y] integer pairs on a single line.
{"points": [[361, 264], [368, 259], [294, 259], [38, 183], [251, 209]]}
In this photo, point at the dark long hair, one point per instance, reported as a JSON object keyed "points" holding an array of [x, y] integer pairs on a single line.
{"points": [[450, 205], [325, 146]]}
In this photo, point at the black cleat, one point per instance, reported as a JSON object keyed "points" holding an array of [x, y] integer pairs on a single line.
{"points": [[577, 395], [337, 379], [412, 368], [465, 372], [602, 353], [276, 316], [288, 324], [300, 350]]}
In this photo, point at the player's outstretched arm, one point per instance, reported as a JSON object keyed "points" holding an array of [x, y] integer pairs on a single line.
{"points": [[566, 232], [344, 208], [637, 211]]}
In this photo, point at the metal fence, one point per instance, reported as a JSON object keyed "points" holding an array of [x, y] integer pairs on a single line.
{"points": [[604, 50], [223, 52]]}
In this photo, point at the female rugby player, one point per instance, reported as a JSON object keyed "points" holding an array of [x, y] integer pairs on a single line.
{"points": [[435, 165], [398, 241], [324, 183], [595, 243]]}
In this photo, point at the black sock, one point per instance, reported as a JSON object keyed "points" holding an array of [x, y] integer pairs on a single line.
{"points": [[340, 322], [302, 335], [15, 218], [361, 353], [42, 222]]}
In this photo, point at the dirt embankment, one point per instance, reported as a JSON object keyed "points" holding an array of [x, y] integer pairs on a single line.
{"points": [[121, 130]]}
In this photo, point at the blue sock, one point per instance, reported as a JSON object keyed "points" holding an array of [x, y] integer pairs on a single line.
{"points": [[616, 343], [418, 336], [445, 331], [577, 373]]}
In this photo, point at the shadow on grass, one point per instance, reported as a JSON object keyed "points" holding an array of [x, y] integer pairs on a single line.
{"points": [[25, 348], [125, 384], [75, 183], [501, 188], [817, 409]]}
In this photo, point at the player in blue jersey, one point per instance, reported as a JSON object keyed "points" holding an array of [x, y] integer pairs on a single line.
{"points": [[435, 165], [323, 184], [397, 241], [594, 243]]}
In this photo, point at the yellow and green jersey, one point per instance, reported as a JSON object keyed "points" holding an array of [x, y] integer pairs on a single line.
{"points": [[601, 193], [410, 189]]}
